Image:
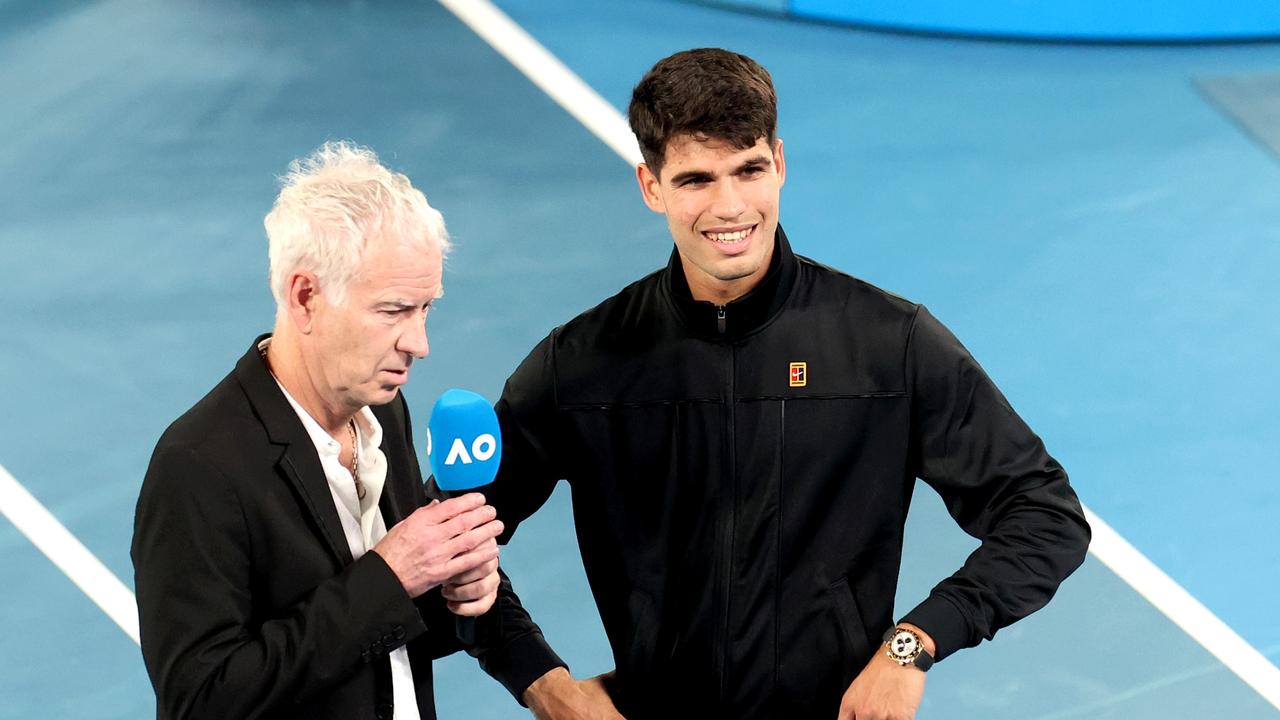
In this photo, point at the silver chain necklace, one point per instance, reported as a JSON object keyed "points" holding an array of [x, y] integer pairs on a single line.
{"points": [[355, 459], [351, 428]]}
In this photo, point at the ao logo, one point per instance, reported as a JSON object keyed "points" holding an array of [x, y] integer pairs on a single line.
{"points": [[482, 448], [468, 441]]}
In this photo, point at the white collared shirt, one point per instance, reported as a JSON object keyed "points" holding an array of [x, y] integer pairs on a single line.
{"points": [[362, 521]]}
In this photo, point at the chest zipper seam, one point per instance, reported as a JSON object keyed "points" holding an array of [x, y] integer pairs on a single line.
{"points": [[731, 520], [778, 525]]}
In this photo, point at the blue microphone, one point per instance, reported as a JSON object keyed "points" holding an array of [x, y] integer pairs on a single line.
{"points": [[464, 443], [464, 447]]}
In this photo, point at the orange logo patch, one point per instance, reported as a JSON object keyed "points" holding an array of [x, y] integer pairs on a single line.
{"points": [[799, 374]]}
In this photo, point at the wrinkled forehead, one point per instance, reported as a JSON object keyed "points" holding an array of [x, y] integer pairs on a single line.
{"points": [[411, 265]]}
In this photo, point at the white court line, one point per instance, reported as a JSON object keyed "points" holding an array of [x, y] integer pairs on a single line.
{"points": [[602, 119], [69, 554], [1184, 610], [549, 74]]}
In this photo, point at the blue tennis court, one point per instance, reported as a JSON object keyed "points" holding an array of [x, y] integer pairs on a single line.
{"points": [[1100, 232]]}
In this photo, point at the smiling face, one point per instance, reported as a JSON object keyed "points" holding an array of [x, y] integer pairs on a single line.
{"points": [[721, 205], [360, 351]]}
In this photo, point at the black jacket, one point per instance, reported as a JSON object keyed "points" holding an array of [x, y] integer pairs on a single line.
{"points": [[249, 603], [742, 536]]}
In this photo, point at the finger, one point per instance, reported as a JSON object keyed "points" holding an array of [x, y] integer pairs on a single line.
{"points": [[488, 568], [595, 688], [474, 559], [463, 592], [473, 539], [472, 590], [468, 520], [488, 544], [473, 608], [441, 511], [481, 538], [466, 562]]}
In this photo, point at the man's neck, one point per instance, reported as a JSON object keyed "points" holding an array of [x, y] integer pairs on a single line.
{"points": [[290, 370], [704, 288]]}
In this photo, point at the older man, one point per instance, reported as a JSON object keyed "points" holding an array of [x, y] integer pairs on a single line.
{"points": [[288, 563]]}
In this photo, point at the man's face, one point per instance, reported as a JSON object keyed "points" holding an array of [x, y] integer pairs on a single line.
{"points": [[361, 350], [721, 205]]}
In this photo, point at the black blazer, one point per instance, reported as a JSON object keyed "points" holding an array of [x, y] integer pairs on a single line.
{"points": [[249, 602]]}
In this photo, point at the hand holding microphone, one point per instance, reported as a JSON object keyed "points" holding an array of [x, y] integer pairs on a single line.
{"points": [[464, 447], [453, 543], [441, 542]]}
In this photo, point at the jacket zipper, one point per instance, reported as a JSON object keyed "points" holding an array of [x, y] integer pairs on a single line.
{"points": [[720, 321], [730, 513]]}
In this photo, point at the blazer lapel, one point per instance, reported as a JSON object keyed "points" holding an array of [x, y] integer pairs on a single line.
{"points": [[298, 461], [401, 464]]}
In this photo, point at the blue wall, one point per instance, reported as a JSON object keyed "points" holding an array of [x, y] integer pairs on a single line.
{"points": [[1172, 20]]}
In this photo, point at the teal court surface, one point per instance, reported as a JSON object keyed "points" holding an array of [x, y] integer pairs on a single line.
{"points": [[1100, 230]]}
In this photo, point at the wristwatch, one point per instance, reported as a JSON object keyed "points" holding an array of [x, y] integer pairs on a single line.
{"points": [[903, 646]]}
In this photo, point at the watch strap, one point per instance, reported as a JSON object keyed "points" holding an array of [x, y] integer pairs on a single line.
{"points": [[924, 660]]}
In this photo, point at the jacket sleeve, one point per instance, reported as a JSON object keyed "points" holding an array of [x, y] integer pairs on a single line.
{"points": [[999, 484], [510, 646], [210, 653]]}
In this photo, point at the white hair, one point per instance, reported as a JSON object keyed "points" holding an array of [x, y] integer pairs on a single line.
{"points": [[331, 204]]}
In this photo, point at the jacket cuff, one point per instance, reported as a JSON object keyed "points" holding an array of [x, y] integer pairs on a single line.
{"points": [[944, 622], [393, 619], [520, 662]]}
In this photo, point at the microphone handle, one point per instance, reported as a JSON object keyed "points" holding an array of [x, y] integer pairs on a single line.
{"points": [[464, 625], [465, 628]]}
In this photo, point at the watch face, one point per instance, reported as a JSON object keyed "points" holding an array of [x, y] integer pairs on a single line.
{"points": [[904, 646]]}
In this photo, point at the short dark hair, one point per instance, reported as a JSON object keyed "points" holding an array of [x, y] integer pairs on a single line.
{"points": [[706, 93]]}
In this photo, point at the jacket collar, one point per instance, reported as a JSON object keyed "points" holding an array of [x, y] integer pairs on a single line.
{"points": [[298, 460], [744, 315]]}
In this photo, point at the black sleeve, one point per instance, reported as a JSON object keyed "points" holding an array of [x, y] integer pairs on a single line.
{"points": [[208, 650], [999, 484], [510, 646], [531, 429]]}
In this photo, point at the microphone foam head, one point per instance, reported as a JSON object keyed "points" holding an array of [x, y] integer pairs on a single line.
{"points": [[464, 444]]}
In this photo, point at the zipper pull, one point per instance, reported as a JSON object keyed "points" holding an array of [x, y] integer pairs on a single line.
{"points": [[720, 321]]}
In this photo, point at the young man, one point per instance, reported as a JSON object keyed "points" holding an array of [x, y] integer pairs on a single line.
{"points": [[742, 432]]}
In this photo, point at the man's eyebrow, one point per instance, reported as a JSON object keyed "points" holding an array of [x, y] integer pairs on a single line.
{"points": [[396, 304], [758, 161], [690, 175], [402, 304], [748, 164]]}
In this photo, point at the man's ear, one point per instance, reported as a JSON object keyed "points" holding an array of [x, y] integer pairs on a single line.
{"points": [[650, 189], [302, 294], [780, 162]]}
